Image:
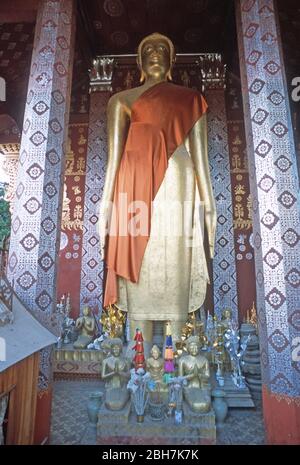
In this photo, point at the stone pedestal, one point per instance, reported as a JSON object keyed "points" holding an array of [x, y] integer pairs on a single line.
{"points": [[70, 363], [205, 421], [113, 421], [122, 428]]}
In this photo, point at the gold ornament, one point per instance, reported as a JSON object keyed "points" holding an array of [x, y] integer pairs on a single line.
{"points": [[253, 316], [113, 320]]}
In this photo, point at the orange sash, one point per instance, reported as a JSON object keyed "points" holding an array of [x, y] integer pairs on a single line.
{"points": [[161, 119]]}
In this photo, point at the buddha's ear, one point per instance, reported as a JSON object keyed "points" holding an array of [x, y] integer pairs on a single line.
{"points": [[169, 74], [142, 75]]}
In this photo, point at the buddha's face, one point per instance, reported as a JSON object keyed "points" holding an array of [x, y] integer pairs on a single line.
{"points": [[86, 311], [193, 348], [156, 58], [227, 314], [116, 350], [155, 354]]}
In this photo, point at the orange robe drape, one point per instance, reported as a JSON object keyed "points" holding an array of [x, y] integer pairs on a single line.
{"points": [[161, 119]]}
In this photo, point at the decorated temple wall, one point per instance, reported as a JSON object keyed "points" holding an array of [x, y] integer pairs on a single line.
{"points": [[70, 255], [241, 198]]}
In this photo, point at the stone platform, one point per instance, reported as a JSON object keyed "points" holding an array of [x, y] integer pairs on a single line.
{"points": [[72, 364], [117, 428], [235, 397]]}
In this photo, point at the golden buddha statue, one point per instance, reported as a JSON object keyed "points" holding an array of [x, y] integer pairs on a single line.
{"points": [[226, 319], [222, 357], [87, 327], [155, 366], [253, 317], [195, 368], [157, 154], [115, 373]]}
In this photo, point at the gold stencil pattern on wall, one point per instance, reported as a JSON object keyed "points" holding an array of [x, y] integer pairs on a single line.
{"points": [[242, 214]]}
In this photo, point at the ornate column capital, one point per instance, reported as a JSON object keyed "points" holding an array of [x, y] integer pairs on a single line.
{"points": [[101, 74], [10, 150], [213, 71]]}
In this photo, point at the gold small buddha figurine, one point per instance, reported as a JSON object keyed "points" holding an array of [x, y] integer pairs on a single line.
{"points": [[253, 316], [115, 373], [155, 364], [226, 319], [68, 307], [225, 324], [87, 327], [220, 356], [195, 368]]}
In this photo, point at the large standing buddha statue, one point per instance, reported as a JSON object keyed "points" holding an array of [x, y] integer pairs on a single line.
{"points": [[159, 181]]}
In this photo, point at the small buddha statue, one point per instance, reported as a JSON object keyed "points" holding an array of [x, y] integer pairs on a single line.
{"points": [[226, 323], [195, 369], [155, 366], [87, 328], [226, 319], [253, 317], [115, 373], [68, 307], [220, 356]]}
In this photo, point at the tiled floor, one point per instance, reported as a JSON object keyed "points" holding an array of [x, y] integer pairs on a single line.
{"points": [[70, 423]]}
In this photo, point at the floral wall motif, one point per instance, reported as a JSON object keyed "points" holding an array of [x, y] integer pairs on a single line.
{"points": [[274, 185], [92, 265], [224, 267], [70, 255], [241, 198]]}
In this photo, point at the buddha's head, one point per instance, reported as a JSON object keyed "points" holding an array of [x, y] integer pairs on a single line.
{"points": [[227, 314], [86, 311], [156, 57], [155, 352], [193, 345], [116, 347]]}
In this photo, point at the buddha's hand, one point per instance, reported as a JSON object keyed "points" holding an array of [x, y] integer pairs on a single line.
{"points": [[102, 248], [102, 239], [104, 216], [210, 220], [79, 323]]}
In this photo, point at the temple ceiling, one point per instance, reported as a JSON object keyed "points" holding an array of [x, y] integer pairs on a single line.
{"points": [[289, 17], [117, 26]]}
